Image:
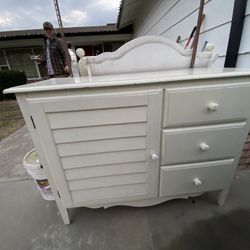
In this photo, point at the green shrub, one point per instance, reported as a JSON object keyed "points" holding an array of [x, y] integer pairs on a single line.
{"points": [[10, 79]]}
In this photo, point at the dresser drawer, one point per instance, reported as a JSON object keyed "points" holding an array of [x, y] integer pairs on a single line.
{"points": [[206, 104], [195, 178], [200, 143]]}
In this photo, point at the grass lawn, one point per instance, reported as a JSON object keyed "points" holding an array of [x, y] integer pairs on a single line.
{"points": [[11, 118]]}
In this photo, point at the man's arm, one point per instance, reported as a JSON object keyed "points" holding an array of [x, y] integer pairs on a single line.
{"points": [[65, 55]]}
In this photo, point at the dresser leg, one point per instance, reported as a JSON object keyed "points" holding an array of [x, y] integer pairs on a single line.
{"points": [[65, 215], [63, 211], [222, 196]]}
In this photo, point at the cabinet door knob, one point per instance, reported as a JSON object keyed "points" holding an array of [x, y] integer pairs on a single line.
{"points": [[197, 182], [204, 146], [213, 106], [155, 157]]}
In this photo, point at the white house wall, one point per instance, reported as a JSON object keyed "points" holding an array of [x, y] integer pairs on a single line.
{"points": [[244, 51], [173, 18]]}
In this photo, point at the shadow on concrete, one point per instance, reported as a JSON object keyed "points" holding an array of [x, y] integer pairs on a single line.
{"points": [[222, 232]]}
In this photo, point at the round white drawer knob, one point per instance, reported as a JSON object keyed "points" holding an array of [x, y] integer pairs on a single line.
{"points": [[204, 146], [213, 106], [197, 182], [155, 157]]}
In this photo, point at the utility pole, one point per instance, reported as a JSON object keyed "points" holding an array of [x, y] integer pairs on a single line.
{"points": [[59, 19]]}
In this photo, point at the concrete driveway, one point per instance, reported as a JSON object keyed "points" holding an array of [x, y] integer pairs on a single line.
{"points": [[29, 222]]}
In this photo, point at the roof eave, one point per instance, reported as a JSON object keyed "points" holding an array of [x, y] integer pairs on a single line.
{"points": [[120, 14]]}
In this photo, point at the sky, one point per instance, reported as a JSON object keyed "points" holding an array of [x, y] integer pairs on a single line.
{"points": [[30, 14]]}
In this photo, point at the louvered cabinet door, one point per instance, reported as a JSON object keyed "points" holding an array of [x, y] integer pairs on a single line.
{"points": [[101, 149]]}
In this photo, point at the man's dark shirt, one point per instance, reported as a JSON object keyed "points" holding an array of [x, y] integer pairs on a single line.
{"points": [[57, 56]]}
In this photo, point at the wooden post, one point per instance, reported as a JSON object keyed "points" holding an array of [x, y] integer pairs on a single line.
{"points": [[197, 33]]}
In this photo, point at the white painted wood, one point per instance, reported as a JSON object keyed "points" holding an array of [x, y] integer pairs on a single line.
{"points": [[132, 54], [212, 22], [218, 36], [77, 103], [154, 138], [180, 17], [131, 10], [213, 19], [128, 80], [190, 105], [103, 158], [175, 18], [49, 149], [93, 178], [179, 179], [106, 170], [102, 139], [177, 13], [244, 44], [222, 196], [151, 13], [135, 150], [24, 105], [219, 63], [100, 132], [97, 117], [103, 193], [134, 202], [65, 215], [101, 146], [107, 181], [243, 60], [201, 143], [247, 8]]}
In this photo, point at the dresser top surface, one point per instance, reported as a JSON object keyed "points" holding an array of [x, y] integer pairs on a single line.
{"points": [[128, 79]]}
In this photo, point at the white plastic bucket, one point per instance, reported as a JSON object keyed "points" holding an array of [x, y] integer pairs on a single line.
{"points": [[32, 165]]}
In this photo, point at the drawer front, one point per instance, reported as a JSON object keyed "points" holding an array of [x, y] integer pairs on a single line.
{"points": [[196, 178], [205, 104], [193, 144]]}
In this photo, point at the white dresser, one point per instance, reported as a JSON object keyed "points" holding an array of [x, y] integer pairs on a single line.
{"points": [[138, 139]]}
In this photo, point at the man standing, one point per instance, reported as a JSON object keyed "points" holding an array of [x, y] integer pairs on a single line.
{"points": [[57, 58]]}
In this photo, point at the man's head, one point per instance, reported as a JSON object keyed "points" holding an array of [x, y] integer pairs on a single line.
{"points": [[48, 29]]}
